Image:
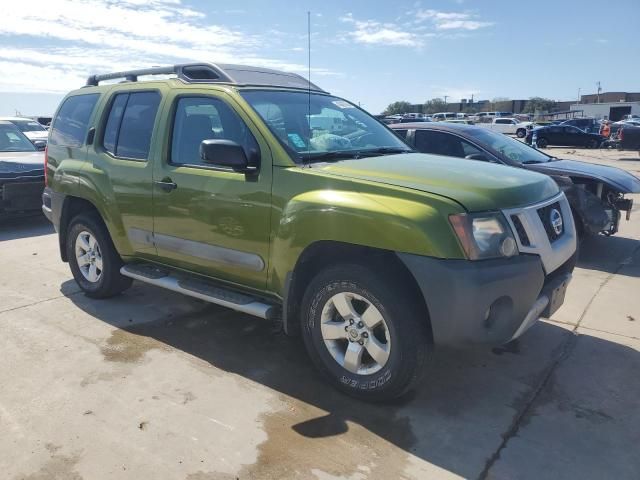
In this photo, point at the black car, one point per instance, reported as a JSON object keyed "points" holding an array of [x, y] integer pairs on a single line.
{"points": [[589, 125], [564, 135], [21, 173], [595, 192]]}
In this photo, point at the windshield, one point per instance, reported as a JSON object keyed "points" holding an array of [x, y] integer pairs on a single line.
{"points": [[334, 128], [28, 126], [11, 140], [509, 147]]}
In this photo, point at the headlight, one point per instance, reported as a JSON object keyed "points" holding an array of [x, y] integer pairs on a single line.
{"points": [[484, 235]]}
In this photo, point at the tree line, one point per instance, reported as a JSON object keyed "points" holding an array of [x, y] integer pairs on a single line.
{"points": [[533, 105]]}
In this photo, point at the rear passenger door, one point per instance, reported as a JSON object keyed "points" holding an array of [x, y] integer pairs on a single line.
{"points": [[210, 219], [122, 156]]}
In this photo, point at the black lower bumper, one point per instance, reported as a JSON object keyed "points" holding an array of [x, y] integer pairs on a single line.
{"points": [[490, 301], [20, 196]]}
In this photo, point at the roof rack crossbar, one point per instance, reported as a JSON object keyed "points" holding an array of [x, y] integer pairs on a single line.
{"points": [[216, 73], [210, 71]]}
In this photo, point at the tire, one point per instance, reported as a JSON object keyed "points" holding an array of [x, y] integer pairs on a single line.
{"points": [[542, 142], [89, 241], [521, 133], [392, 353], [593, 143]]}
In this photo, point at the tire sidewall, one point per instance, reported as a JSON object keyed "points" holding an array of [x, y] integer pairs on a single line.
{"points": [[386, 382], [542, 142], [110, 282]]}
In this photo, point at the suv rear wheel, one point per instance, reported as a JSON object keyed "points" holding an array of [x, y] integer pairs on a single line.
{"points": [[94, 262], [363, 332]]}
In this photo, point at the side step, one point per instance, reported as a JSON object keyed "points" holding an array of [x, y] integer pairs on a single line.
{"points": [[195, 287]]}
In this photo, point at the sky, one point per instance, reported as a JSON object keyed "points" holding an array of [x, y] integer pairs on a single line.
{"points": [[370, 52]]}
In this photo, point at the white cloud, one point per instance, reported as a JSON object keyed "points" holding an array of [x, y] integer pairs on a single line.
{"points": [[75, 38], [418, 25], [449, 20], [371, 32]]}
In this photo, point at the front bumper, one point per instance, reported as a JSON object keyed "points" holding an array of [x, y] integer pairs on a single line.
{"points": [[20, 195], [489, 301]]}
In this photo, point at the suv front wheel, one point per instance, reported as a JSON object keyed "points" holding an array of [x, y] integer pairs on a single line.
{"points": [[364, 333], [94, 262]]}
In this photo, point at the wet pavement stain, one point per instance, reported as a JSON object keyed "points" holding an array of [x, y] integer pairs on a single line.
{"points": [[126, 347], [303, 440], [211, 476], [58, 467]]}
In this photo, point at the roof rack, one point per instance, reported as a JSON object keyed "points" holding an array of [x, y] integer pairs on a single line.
{"points": [[215, 73]]}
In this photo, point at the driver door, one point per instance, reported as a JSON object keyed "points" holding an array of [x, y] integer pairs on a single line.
{"points": [[209, 219]]}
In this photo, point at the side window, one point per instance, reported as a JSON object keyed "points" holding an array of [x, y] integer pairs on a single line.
{"points": [[470, 149], [439, 143], [72, 122], [401, 133], [136, 126], [113, 123], [502, 121], [202, 118], [130, 124]]}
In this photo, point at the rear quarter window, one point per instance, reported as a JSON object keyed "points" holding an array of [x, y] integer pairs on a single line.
{"points": [[72, 121]]}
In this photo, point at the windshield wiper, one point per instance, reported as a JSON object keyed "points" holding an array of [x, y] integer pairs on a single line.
{"points": [[333, 155], [385, 151], [529, 162]]}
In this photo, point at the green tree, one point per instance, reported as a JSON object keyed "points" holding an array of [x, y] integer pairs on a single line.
{"points": [[539, 104], [396, 108], [434, 105]]}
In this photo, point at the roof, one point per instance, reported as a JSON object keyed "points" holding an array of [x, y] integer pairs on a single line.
{"points": [[11, 119], [241, 75]]}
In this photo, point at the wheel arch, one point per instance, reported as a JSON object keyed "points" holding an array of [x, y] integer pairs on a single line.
{"points": [[71, 207], [324, 253]]}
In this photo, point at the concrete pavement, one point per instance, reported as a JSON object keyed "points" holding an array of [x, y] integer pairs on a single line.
{"points": [[152, 384]]}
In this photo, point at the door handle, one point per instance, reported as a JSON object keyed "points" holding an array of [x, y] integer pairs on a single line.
{"points": [[167, 184]]}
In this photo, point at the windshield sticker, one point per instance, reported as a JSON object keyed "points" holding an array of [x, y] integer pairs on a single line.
{"points": [[296, 140], [342, 104]]}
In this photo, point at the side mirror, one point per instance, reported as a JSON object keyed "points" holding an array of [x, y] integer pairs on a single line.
{"points": [[478, 156], [225, 153], [40, 145]]}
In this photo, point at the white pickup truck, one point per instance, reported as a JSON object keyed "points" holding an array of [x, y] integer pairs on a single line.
{"points": [[509, 126]]}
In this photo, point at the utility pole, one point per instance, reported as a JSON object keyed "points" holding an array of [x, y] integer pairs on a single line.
{"points": [[445, 100], [599, 90], [579, 97]]}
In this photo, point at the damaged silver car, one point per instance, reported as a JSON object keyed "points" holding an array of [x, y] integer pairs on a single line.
{"points": [[21, 173], [595, 192]]}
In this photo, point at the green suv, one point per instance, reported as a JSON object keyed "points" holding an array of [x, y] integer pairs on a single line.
{"points": [[256, 190]]}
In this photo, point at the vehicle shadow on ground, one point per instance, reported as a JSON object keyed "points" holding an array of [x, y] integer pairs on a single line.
{"points": [[609, 254], [33, 225], [455, 419]]}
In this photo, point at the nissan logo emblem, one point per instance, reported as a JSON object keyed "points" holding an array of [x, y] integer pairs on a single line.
{"points": [[556, 220]]}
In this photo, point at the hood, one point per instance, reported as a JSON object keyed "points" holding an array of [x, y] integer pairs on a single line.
{"points": [[620, 180], [477, 186], [17, 164]]}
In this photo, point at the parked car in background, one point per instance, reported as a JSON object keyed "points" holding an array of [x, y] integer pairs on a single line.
{"points": [[460, 120], [438, 117], [589, 125], [627, 138], [21, 173], [564, 135], [31, 129], [509, 126], [595, 192]]}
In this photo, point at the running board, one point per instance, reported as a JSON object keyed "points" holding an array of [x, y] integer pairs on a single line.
{"points": [[195, 287]]}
